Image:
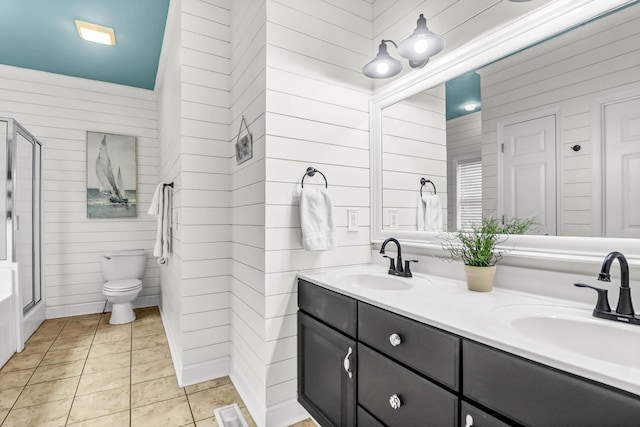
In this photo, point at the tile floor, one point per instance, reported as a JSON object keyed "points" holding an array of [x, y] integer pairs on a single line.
{"points": [[81, 371]]}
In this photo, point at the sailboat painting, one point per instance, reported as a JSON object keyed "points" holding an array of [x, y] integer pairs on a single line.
{"points": [[111, 175]]}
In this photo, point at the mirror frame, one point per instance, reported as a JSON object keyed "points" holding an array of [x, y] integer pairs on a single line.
{"points": [[531, 28]]}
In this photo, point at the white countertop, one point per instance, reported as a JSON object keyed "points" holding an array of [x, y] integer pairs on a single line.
{"points": [[487, 318]]}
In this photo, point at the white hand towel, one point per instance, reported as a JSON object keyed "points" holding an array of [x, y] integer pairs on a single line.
{"points": [[157, 209], [432, 212], [166, 221], [154, 207], [316, 219], [420, 213]]}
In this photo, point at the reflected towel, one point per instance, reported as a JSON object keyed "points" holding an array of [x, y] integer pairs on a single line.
{"points": [[161, 207], [429, 213], [316, 219]]}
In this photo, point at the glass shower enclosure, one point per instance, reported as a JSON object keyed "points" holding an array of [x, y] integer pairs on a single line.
{"points": [[20, 229]]}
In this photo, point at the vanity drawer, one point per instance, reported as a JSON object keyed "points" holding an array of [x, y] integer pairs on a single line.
{"points": [[422, 403], [365, 419], [332, 308], [536, 395], [426, 349], [472, 416]]}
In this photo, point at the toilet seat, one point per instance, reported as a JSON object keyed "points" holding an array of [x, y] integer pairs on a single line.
{"points": [[127, 285]]}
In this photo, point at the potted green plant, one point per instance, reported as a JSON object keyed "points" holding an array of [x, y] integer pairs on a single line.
{"points": [[476, 248]]}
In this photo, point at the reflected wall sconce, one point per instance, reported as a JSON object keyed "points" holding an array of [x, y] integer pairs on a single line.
{"points": [[417, 48]]}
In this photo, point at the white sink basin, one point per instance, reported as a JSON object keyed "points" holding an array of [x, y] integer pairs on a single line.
{"points": [[577, 331], [375, 281]]}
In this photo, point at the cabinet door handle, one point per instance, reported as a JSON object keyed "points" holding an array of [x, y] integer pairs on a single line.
{"points": [[347, 363], [395, 402], [395, 340], [468, 421]]}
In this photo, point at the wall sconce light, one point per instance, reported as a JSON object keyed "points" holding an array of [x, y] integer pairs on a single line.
{"points": [[383, 65], [417, 48]]}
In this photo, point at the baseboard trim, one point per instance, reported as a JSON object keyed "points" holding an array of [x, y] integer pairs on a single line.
{"points": [[248, 395], [280, 415], [96, 307], [173, 350], [205, 371], [286, 413]]}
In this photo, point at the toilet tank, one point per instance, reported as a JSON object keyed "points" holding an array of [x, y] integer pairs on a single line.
{"points": [[120, 265]]}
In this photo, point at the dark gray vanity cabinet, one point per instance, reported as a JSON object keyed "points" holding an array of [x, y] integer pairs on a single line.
{"points": [[327, 355], [405, 373], [353, 371], [532, 394]]}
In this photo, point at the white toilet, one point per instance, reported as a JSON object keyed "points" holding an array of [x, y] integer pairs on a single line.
{"points": [[122, 272]]}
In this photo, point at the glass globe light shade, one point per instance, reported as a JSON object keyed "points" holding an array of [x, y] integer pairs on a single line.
{"points": [[383, 65], [422, 44]]}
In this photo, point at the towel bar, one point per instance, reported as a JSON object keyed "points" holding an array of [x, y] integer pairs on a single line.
{"points": [[423, 182], [311, 171]]}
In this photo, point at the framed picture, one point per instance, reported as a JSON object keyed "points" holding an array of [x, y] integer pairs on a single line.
{"points": [[244, 145], [111, 176], [244, 149]]}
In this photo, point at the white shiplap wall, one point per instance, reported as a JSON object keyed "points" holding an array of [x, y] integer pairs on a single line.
{"points": [[317, 115], [205, 196], [194, 83], [414, 146], [567, 73], [168, 86], [248, 45], [59, 110]]}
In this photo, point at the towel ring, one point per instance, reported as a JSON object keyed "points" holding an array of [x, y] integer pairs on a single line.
{"points": [[311, 171], [423, 182]]}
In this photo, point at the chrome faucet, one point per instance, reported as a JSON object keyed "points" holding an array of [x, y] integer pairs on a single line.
{"points": [[395, 268], [624, 310]]}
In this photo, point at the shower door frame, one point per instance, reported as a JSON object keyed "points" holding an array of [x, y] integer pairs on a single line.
{"points": [[13, 129]]}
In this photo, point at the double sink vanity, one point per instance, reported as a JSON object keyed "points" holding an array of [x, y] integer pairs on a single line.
{"points": [[376, 349]]}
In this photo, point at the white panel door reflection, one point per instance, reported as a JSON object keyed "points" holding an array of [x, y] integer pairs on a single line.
{"points": [[529, 172]]}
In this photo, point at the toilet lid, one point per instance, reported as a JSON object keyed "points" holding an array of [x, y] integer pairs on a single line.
{"points": [[122, 285]]}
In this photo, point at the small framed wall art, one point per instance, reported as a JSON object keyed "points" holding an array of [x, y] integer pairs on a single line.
{"points": [[111, 175], [244, 143]]}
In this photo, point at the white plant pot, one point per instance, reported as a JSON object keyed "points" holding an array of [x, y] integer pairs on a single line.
{"points": [[480, 279]]}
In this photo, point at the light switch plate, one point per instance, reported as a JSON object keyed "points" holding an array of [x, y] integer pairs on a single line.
{"points": [[352, 220], [393, 219]]}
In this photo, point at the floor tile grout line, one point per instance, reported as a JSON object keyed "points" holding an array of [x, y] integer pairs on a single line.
{"points": [[131, 376], [82, 372], [67, 324], [24, 387]]}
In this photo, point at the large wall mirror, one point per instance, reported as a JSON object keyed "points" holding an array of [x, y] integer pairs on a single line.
{"points": [[553, 135]]}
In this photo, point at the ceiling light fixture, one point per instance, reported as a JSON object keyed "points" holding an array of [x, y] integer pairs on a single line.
{"points": [[96, 33], [470, 106], [417, 48]]}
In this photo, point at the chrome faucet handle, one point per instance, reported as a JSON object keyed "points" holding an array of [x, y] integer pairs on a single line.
{"points": [[602, 305], [392, 264], [407, 270]]}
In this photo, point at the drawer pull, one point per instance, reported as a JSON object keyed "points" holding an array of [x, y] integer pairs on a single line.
{"points": [[468, 421], [347, 363], [395, 340], [395, 402]]}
